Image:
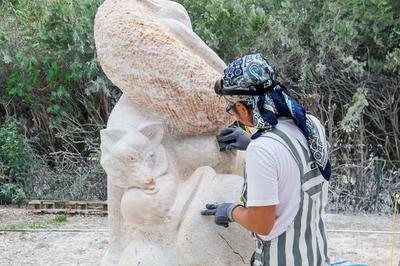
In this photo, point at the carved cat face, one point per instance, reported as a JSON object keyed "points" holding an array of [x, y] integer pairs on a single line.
{"points": [[135, 158]]}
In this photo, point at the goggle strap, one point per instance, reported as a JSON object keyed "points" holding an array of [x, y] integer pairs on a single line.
{"points": [[242, 92], [219, 89]]}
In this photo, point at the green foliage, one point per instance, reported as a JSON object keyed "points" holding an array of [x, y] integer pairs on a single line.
{"points": [[228, 27], [299, 35], [350, 121], [50, 80], [41, 224], [11, 193], [60, 218], [16, 156], [48, 53]]}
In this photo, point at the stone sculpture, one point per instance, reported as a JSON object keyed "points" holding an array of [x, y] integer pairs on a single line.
{"points": [[159, 148]]}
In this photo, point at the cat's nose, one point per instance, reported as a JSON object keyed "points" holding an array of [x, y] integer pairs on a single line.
{"points": [[150, 186], [150, 181]]}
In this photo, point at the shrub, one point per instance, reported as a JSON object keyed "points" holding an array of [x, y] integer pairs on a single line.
{"points": [[49, 52], [11, 193], [50, 79], [17, 158], [49, 73]]}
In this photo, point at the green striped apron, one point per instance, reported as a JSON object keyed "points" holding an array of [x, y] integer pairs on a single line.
{"points": [[304, 242]]}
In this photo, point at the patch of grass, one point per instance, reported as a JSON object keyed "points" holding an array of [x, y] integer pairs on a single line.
{"points": [[24, 225], [56, 221], [22, 236], [60, 218]]}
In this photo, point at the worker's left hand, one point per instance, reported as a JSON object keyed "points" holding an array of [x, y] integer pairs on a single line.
{"points": [[222, 212], [233, 138]]}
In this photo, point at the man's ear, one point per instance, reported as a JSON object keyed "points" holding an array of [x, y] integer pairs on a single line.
{"points": [[249, 113], [152, 130], [241, 108], [244, 111]]}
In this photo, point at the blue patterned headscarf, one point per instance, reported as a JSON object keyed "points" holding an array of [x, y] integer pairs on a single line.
{"points": [[251, 71]]}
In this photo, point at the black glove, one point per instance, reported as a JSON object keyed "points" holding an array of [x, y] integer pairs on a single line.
{"points": [[233, 138], [222, 212]]}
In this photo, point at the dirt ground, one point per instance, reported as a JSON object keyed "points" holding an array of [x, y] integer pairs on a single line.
{"points": [[87, 248]]}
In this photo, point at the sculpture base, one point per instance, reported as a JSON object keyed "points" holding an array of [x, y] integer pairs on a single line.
{"points": [[194, 239]]}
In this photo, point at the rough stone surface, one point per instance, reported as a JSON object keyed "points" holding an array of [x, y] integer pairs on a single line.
{"points": [[148, 49], [159, 148]]}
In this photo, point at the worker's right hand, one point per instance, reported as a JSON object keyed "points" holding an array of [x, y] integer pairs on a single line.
{"points": [[222, 212], [233, 138]]}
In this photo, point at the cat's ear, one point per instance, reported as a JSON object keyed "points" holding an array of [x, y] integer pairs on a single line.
{"points": [[110, 136], [152, 130]]}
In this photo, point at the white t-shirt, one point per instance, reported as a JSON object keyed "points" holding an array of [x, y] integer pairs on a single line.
{"points": [[273, 176]]}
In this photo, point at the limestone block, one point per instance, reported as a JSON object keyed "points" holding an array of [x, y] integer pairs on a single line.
{"points": [[148, 49], [159, 149]]}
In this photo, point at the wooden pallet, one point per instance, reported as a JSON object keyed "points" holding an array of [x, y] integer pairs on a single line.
{"points": [[68, 207]]}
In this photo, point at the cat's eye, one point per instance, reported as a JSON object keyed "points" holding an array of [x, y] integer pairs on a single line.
{"points": [[132, 159], [150, 156]]}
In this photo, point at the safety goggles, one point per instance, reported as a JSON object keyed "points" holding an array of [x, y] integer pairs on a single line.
{"points": [[238, 90], [229, 108]]}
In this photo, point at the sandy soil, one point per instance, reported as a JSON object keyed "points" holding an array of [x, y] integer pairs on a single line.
{"points": [[87, 248]]}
